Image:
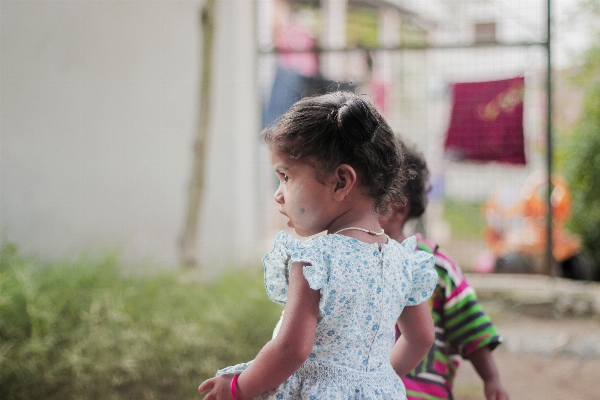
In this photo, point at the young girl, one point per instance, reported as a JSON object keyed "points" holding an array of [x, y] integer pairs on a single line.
{"points": [[338, 166]]}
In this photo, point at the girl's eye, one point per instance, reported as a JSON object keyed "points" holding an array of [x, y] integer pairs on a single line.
{"points": [[285, 178]]}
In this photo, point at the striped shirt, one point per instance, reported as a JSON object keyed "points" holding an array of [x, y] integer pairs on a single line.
{"points": [[461, 327]]}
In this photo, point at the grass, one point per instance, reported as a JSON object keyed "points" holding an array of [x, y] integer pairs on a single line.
{"points": [[82, 330], [466, 219]]}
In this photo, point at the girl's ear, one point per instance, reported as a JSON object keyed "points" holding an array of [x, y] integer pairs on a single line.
{"points": [[345, 179]]}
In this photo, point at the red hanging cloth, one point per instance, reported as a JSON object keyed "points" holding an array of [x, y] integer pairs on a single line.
{"points": [[487, 122]]}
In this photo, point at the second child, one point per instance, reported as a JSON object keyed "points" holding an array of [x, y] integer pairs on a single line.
{"points": [[462, 327]]}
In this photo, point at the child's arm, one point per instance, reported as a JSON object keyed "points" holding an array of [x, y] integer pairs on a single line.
{"points": [[283, 355], [484, 364], [418, 335]]}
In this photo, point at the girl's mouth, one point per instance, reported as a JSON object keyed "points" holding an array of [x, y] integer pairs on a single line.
{"points": [[289, 221]]}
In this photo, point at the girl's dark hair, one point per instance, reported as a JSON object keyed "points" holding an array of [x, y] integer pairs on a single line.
{"points": [[342, 128], [417, 185]]}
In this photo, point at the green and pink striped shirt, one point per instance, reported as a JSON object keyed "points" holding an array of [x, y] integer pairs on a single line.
{"points": [[461, 327]]}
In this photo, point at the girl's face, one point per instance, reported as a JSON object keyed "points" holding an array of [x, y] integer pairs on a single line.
{"points": [[302, 197]]}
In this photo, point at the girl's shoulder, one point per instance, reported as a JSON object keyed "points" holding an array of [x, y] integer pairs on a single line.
{"points": [[291, 243], [329, 247], [315, 253], [321, 250], [410, 254], [407, 247], [316, 242], [288, 249]]}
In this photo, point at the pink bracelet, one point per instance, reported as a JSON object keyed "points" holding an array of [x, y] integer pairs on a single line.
{"points": [[234, 387]]}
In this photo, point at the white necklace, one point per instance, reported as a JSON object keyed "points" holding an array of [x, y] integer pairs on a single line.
{"points": [[361, 229]]}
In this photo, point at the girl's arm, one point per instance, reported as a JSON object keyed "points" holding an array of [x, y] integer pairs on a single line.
{"points": [[484, 364], [283, 355], [418, 335]]}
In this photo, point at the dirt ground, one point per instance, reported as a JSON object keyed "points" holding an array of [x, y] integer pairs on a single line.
{"points": [[543, 357], [532, 376], [548, 359]]}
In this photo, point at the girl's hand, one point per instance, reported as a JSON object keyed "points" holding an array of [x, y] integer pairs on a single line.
{"points": [[218, 388], [494, 391], [486, 368]]}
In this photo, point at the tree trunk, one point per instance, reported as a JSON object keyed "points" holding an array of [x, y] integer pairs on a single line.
{"points": [[189, 237]]}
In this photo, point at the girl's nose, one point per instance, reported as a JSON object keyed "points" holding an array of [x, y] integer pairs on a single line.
{"points": [[278, 195]]}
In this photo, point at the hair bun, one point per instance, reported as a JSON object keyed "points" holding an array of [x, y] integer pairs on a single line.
{"points": [[355, 121]]}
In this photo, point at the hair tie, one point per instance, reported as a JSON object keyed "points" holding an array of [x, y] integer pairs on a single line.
{"points": [[356, 122], [339, 116], [332, 117]]}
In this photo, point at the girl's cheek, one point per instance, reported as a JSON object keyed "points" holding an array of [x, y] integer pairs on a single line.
{"points": [[298, 208], [298, 211]]}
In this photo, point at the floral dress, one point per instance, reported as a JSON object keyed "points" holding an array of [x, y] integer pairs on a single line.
{"points": [[364, 288]]}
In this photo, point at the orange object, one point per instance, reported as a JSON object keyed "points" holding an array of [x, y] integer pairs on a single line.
{"points": [[534, 196], [517, 223]]}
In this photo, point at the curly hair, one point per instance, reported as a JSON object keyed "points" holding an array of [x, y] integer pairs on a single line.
{"points": [[342, 128], [417, 185]]}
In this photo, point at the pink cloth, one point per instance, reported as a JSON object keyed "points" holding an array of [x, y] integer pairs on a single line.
{"points": [[297, 38]]}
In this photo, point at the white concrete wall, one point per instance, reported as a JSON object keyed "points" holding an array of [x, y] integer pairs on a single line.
{"points": [[97, 118]]}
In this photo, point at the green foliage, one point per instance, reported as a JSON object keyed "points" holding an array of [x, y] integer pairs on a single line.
{"points": [[465, 218], [581, 162], [83, 331], [412, 34], [361, 27]]}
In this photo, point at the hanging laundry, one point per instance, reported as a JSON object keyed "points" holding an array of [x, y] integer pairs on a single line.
{"points": [[289, 86], [487, 122]]}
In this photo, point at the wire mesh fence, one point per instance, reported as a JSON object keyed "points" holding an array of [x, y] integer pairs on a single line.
{"points": [[419, 62]]}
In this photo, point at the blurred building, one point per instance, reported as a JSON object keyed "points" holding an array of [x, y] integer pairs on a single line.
{"points": [[406, 55], [99, 105], [98, 115]]}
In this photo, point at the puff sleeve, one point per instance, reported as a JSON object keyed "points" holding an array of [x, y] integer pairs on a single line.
{"points": [[286, 251], [234, 369], [424, 276]]}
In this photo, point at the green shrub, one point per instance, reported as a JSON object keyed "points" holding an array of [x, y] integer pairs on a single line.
{"points": [[82, 330], [583, 174], [465, 218], [580, 159]]}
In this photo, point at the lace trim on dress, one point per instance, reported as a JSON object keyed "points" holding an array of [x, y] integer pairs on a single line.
{"points": [[331, 374]]}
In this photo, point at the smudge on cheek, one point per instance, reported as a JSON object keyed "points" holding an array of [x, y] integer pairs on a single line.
{"points": [[302, 211]]}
